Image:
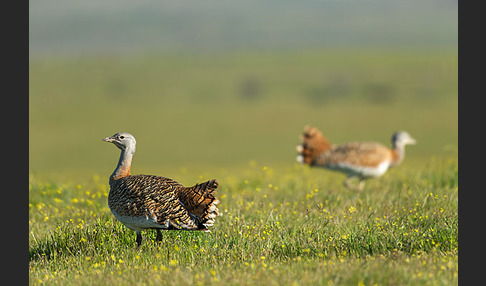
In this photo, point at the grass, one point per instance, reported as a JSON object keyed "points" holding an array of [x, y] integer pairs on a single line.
{"points": [[237, 118], [279, 227]]}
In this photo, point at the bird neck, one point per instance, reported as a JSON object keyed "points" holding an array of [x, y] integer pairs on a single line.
{"points": [[123, 167], [398, 154]]}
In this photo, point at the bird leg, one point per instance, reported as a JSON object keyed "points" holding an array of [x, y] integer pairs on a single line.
{"points": [[347, 182], [359, 188], [361, 185], [139, 238], [159, 236]]}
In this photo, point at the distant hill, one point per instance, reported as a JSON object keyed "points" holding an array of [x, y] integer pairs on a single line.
{"points": [[92, 26]]}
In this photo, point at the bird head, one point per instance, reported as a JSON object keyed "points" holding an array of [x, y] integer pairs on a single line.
{"points": [[402, 138], [122, 140]]}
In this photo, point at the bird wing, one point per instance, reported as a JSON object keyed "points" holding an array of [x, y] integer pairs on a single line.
{"points": [[355, 153], [153, 197]]}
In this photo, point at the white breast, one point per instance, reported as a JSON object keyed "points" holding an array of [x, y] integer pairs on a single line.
{"points": [[362, 171], [139, 223]]}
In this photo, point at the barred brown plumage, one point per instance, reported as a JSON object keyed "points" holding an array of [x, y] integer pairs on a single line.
{"points": [[153, 202], [355, 159]]}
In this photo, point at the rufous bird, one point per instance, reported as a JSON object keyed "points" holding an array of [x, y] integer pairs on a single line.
{"points": [[355, 159]]}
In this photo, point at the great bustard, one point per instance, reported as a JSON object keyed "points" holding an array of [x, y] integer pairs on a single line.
{"points": [[152, 202], [355, 159]]}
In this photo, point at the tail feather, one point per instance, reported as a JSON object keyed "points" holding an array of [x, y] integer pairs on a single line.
{"points": [[201, 203], [313, 143]]}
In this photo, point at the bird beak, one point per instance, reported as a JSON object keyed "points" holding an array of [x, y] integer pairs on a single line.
{"points": [[108, 139], [412, 141]]}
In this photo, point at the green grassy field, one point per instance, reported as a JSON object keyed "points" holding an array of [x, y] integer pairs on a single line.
{"points": [[279, 227], [237, 118]]}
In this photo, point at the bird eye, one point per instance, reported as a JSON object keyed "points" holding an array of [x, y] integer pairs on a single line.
{"points": [[122, 137]]}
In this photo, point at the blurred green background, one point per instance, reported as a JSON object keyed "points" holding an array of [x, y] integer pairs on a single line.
{"points": [[222, 85]]}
